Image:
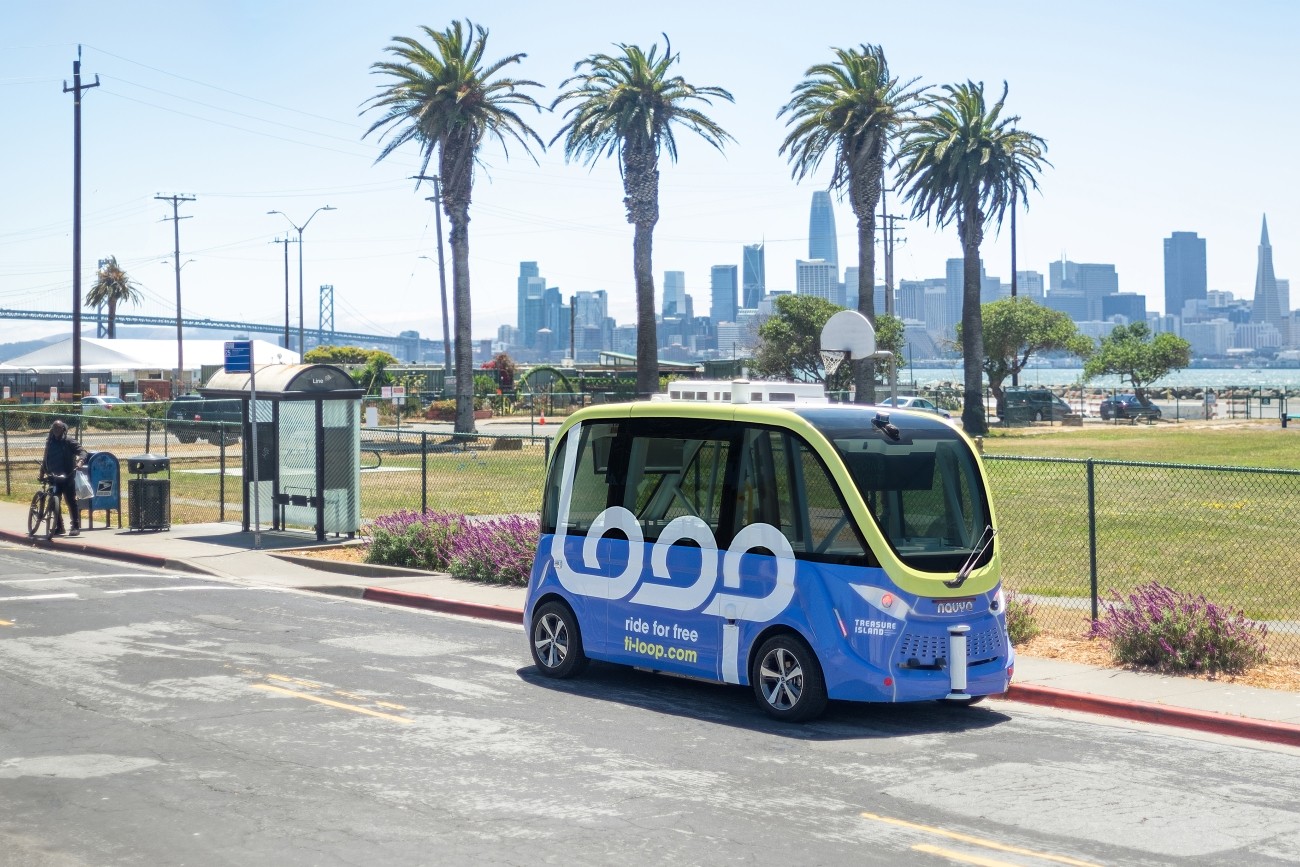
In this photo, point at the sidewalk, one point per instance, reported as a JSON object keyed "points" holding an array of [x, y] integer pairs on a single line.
{"points": [[224, 552]]}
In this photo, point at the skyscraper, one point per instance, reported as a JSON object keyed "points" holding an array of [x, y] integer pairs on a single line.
{"points": [[1184, 271], [674, 294], [753, 273], [531, 288], [817, 278], [724, 293], [821, 230], [1268, 301]]}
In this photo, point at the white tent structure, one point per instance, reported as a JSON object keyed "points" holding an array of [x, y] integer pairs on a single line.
{"points": [[130, 357]]}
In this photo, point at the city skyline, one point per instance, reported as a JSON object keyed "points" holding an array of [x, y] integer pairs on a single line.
{"points": [[280, 130]]}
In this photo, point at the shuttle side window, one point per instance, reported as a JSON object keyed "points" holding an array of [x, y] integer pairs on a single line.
{"points": [[594, 472], [673, 473]]}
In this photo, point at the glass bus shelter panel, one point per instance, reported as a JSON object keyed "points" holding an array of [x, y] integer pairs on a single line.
{"points": [[297, 445], [342, 433]]}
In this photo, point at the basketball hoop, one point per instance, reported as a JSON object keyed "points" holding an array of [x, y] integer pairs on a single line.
{"points": [[831, 359]]}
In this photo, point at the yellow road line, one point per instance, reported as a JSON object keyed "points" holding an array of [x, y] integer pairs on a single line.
{"points": [[6, 623], [389, 704], [977, 841], [961, 857], [331, 703], [307, 683]]}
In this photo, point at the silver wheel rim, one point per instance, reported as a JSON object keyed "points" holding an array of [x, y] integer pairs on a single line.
{"points": [[551, 640], [781, 678]]}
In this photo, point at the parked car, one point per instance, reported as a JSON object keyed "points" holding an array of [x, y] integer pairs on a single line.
{"points": [[100, 402], [917, 403], [1024, 405], [1128, 406], [203, 419]]}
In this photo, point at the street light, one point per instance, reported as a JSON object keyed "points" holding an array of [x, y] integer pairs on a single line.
{"points": [[302, 350]]}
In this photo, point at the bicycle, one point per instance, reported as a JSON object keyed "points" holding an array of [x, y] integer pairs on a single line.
{"points": [[45, 507]]}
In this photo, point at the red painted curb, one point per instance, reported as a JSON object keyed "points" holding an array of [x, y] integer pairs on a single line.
{"points": [[513, 616], [69, 546], [1160, 714]]}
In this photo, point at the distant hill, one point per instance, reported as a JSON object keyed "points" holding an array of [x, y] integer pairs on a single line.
{"points": [[22, 347]]}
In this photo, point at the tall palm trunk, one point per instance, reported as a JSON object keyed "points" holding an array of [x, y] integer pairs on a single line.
{"points": [[641, 189], [112, 318], [864, 195], [971, 230], [456, 163]]}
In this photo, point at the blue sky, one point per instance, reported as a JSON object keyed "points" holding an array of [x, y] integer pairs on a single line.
{"points": [[1159, 116]]}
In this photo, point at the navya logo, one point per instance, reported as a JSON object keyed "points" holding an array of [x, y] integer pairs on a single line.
{"points": [[954, 606]]}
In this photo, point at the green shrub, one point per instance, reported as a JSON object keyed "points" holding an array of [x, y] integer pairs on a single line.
{"points": [[1157, 627], [1022, 623]]}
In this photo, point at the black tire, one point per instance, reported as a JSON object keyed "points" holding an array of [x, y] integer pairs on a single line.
{"points": [[186, 438], [787, 679], [36, 514], [1038, 416], [556, 641]]}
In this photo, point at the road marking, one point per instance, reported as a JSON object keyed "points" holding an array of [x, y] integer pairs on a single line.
{"points": [[35, 596], [174, 589], [294, 680], [83, 578], [6, 623], [961, 857], [331, 703], [977, 841]]}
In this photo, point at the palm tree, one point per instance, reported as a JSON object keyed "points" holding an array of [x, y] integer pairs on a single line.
{"points": [[967, 163], [446, 100], [627, 105], [112, 287], [854, 108]]}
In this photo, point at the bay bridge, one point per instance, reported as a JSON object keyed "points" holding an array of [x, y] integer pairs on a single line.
{"points": [[405, 348]]}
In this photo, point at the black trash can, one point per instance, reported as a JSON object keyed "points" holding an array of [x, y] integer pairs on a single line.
{"points": [[149, 500]]}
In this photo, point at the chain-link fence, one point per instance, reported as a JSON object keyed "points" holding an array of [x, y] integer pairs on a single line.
{"points": [[1075, 532], [477, 474]]}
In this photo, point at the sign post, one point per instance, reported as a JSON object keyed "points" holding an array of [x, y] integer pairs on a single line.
{"points": [[239, 359]]}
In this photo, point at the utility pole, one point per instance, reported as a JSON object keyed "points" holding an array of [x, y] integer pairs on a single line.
{"points": [[436, 198], [286, 242], [176, 260], [75, 90], [888, 226]]}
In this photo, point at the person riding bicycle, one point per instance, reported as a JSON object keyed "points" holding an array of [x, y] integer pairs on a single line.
{"points": [[62, 458]]}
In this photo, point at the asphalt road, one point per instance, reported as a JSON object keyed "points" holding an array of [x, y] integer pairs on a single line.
{"points": [[148, 718]]}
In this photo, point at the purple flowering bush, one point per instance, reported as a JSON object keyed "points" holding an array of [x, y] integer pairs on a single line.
{"points": [[492, 550], [1161, 628], [1022, 623]]}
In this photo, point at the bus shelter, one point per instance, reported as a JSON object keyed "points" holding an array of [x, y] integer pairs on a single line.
{"points": [[308, 419]]}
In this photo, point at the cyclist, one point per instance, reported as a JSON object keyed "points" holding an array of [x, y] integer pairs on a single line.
{"points": [[62, 458]]}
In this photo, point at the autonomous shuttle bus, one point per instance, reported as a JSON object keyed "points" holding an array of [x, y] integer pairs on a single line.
{"points": [[754, 533]]}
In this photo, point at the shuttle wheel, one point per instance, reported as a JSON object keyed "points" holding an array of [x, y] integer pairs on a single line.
{"points": [[556, 642], [787, 679]]}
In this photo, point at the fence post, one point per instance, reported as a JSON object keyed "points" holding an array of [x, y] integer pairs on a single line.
{"points": [[221, 496], [424, 472], [546, 452], [148, 435], [1092, 536], [4, 428]]}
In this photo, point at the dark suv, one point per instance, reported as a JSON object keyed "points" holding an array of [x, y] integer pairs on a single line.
{"points": [[199, 418], [1023, 405], [1128, 406]]}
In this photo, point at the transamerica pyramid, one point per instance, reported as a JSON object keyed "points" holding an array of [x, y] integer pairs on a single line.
{"points": [[1268, 301]]}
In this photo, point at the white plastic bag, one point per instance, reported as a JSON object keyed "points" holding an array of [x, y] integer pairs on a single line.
{"points": [[84, 490]]}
